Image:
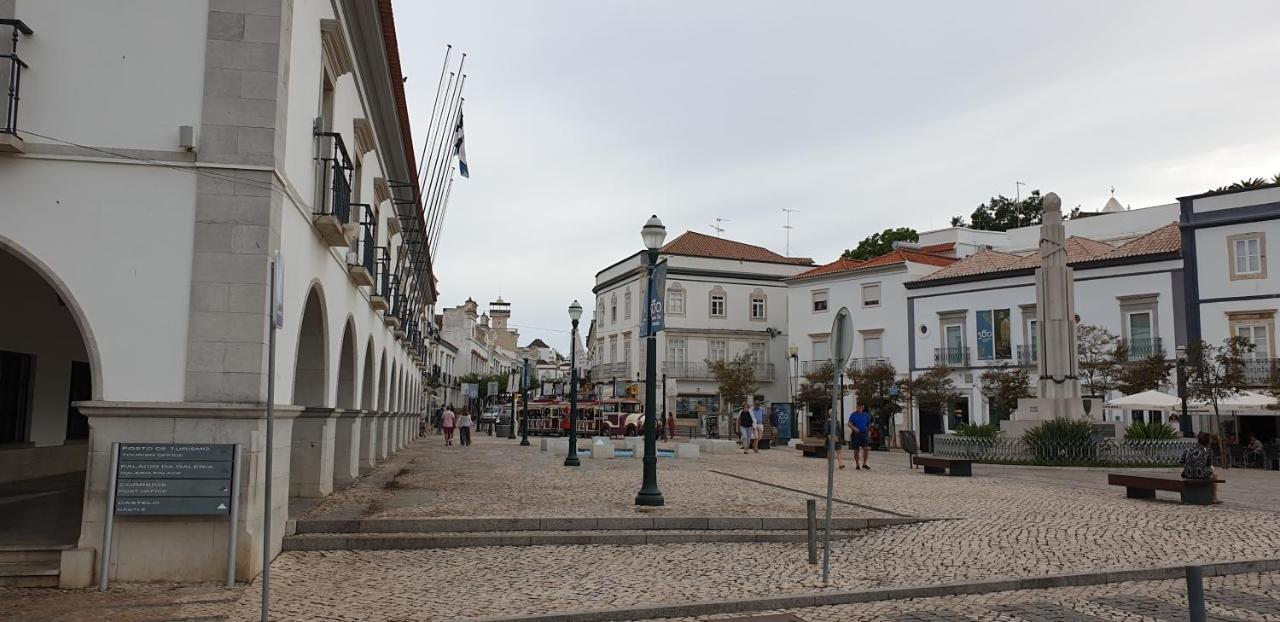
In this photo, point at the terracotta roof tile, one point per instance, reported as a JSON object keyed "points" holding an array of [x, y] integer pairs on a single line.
{"points": [[702, 245], [888, 259], [1078, 250], [981, 262], [1166, 239], [938, 248]]}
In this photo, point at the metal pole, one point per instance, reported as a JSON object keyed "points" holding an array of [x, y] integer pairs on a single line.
{"points": [[524, 405], [104, 562], [671, 434], [572, 458], [1184, 424], [649, 494], [235, 517], [270, 451], [1195, 593], [811, 511], [832, 422]]}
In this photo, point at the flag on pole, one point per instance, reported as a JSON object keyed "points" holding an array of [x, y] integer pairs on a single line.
{"points": [[459, 146]]}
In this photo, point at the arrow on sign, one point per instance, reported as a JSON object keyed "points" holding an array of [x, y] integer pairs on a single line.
{"points": [[222, 506]]}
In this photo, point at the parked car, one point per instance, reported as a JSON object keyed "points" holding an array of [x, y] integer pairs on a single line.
{"points": [[490, 414]]}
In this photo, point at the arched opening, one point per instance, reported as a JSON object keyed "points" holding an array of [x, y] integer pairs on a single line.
{"points": [[347, 368], [47, 362], [381, 381], [309, 367], [368, 388], [391, 389]]}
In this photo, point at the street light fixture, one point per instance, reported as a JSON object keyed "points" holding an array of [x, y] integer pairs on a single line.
{"points": [[575, 313], [653, 233]]}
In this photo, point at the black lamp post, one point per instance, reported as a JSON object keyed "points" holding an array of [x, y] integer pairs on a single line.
{"points": [[575, 312], [1184, 423], [524, 405], [653, 234]]}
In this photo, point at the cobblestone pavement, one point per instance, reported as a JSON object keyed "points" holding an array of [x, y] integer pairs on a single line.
{"points": [[131, 602], [1236, 597], [1005, 522]]}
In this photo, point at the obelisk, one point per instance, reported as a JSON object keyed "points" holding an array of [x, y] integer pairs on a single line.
{"points": [[1057, 362]]}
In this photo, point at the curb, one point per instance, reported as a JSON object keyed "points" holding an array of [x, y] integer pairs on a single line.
{"points": [[621, 523], [816, 599]]}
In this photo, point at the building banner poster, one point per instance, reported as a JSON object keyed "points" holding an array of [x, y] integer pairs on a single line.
{"points": [[986, 336], [1004, 338]]}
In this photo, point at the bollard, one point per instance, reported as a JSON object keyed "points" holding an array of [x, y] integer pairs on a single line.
{"points": [[811, 507], [1195, 592]]}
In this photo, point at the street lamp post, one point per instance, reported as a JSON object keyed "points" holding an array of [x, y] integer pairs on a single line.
{"points": [[1184, 424], [524, 405], [653, 234], [575, 312]]}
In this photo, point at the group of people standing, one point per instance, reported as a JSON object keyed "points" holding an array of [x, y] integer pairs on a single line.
{"points": [[446, 421]]}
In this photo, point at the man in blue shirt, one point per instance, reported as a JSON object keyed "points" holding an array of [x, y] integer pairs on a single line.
{"points": [[859, 425], [757, 414]]}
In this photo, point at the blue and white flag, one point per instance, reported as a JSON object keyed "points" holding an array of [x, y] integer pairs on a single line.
{"points": [[460, 147]]}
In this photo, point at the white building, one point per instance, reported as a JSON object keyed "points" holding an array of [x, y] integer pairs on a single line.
{"points": [[723, 299], [146, 183]]}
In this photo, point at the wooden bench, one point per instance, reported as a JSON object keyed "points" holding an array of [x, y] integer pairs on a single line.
{"points": [[813, 450], [934, 465], [1193, 491]]}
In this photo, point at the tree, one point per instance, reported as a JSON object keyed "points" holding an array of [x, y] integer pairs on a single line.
{"points": [[815, 394], [1096, 348], [484, 380], [1003, 386], [1002, 213], [1217, 373], [932, 390], [1249, 182], [878, 244], [875, 386], [1146, 374], [737, 378]]}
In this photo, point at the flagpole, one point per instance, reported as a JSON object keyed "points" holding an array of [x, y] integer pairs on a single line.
{"points": [[429, 157], [440, 158], [440, 132], [434, 105], [444, 209], [438, 223]]}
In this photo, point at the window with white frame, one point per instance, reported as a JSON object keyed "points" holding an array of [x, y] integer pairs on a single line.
{"points": [[871, 295], [626, 350], [717, 350], [717, 302], [613, 349], [872, 346], [1248, 256], [759, 305], [675, 300], [821, 349], [677, 351], [626, 304], [1257, 335], [819, 300], [600, 310], [613, 309], [758, 353]]}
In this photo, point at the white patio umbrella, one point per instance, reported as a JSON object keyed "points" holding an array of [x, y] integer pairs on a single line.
{"points": [[1245, 400], [1147, 400]]}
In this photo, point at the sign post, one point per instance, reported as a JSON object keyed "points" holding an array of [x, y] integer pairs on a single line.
{"points": [[172, 480], [275, 322], [841, 348]]}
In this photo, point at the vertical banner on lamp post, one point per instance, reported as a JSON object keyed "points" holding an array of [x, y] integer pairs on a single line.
{"points": [[654, 316]]}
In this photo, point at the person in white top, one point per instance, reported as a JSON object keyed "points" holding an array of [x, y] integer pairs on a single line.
{"points": [[447, 419], [464, 428]]}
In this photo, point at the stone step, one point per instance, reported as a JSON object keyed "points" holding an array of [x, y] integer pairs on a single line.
{"points": [[33, 554], [29, 574], [447, 540], [443, 525]]}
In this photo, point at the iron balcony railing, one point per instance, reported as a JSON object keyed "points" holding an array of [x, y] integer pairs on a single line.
{"points": [[365, 251], [1027, 354], [393, 293], [1139, 349], [606, 371], [702, 371], [951, 357], [1259, 371], [809, 367], [336, 169], [1105, 451], [382, 277], [865, 363], [14, 70]]}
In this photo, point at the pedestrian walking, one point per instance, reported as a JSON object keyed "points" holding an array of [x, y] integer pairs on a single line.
{"points": [[747, 429], [447, 420], [671, 425], [437, 420], [464, 428], [835, 436], [757, 417], [859, 428]]}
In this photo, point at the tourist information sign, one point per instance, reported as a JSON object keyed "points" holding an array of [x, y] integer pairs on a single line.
{"points": [[167, 479]]}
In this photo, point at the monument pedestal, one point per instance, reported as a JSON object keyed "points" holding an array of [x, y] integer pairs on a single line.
{"points": [[1032, 411]]}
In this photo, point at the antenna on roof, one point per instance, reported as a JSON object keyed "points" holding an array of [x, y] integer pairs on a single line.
{"points": [[717, 226], [788, 227], [1017, 190]]}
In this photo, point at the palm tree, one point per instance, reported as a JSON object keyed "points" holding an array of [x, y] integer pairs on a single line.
{"points": [[1250, 182]]}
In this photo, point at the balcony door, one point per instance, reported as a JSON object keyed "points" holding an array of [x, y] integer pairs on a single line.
{"points": [[953, 340]]}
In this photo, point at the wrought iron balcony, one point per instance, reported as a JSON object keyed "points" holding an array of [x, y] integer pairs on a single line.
{"points": [[606, 371], [1258, 372], [333, 208], [702, 371], [809, 367], [360, 259], [865, 363], [1027, 355], [380, 296], [9, 140], [395, 303], [1138, 349], [951, 357]]}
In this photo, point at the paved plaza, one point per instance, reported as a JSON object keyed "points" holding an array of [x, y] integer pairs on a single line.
{"points": [[1003, 522]]}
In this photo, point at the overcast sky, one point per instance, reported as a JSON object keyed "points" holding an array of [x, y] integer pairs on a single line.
{"points": [[585, 117]]}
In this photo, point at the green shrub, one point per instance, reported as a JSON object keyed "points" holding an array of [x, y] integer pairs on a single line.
{"points": [[1153, 431], [1062, 440], [985, 430]]}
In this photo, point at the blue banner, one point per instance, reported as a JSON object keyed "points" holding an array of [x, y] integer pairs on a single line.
{"points": [[986, 336], [653, 317]]}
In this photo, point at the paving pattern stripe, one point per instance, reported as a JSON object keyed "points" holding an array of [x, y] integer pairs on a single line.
{"points": [[840, 597], [812, 494], [500, 524]]}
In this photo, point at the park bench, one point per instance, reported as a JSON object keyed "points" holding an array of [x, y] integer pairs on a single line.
{"points": [[1193, 491], [934, 465], [813, 450]]}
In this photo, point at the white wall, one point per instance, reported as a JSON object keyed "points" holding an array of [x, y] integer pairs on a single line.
{"points": [[1214, 257], [109, 78]]}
